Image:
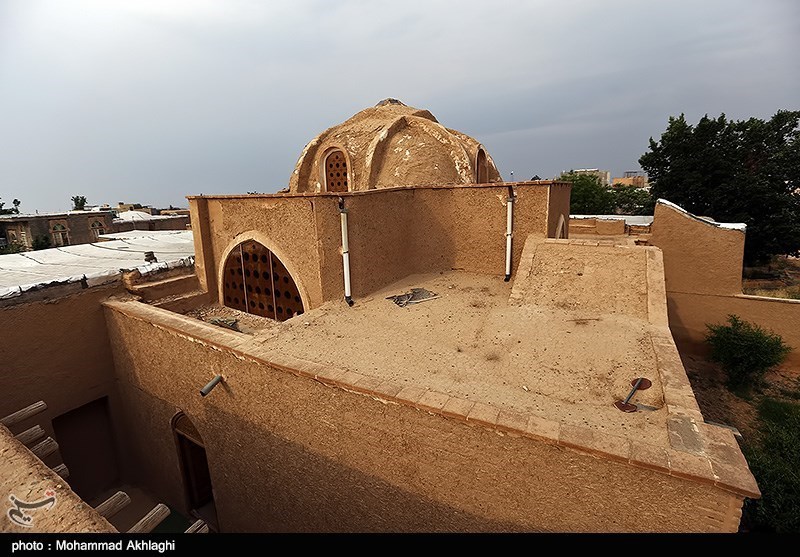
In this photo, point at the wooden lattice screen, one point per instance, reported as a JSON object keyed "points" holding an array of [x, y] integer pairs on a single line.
{"points": [[257, 282]]}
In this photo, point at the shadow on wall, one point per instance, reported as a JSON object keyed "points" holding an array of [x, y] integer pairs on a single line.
{"points": [[301, 491]]}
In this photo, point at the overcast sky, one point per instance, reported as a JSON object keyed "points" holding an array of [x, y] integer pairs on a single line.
{"points": [[152, 100]]}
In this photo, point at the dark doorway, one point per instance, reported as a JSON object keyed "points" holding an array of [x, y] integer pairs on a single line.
{"points": [[194, 468], [86, 442]]}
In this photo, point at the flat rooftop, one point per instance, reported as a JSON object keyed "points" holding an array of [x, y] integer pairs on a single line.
{"points": [[561, 364], [524, 351], [545, 356]]}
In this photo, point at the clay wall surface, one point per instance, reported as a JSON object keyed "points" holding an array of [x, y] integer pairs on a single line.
{"points": [[601, 227], [288, 452], [703, 272], [392, 233], [689, 313], [56, 350], [558, 206], [699, 257]]}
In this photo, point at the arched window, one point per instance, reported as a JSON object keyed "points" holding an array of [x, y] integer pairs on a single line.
{"points": [[97, 228], [481, 168], [336, 172], [256, 281], [60, 235]]}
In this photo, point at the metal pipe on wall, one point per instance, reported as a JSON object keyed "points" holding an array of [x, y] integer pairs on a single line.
{"points": [[509, 230], [345, 254]]}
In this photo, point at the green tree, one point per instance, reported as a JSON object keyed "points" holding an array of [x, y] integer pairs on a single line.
{"points": [[41, 242], [735, 171], [78, 202], [10, 248], [13, 211], [630, 200], [745, 350], [589, 196]]}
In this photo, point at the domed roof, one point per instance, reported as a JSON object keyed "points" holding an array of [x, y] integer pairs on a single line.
{"points": [[390, 145]]}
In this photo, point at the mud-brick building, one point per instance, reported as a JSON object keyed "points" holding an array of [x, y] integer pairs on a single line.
{"points": [[59, 229], [400, 341]]}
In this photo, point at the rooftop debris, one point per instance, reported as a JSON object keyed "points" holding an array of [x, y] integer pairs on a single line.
{"points": [[416, 296], [638, 384], [226, 322]]}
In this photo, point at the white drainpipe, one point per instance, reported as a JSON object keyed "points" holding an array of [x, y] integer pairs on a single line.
{"points": [[345, 253], [509, 231]]}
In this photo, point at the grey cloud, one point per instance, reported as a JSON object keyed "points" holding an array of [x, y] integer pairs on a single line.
{"points": [[150, 101]]}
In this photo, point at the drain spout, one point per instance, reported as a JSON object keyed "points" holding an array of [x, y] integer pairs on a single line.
{"points": [[345, 254], [509, 231]]}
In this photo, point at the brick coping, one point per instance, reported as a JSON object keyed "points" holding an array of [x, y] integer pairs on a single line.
{"points": [[698, 451], [540, 183]]}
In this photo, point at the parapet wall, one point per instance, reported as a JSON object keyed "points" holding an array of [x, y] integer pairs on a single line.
{"points": [[56, 350], [56, 508], [703, 273], [393, 232], [333, 450]]}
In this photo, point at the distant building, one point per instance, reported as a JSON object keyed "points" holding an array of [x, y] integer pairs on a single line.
{"points": [[57, 229], [632, 178], [603, 175], [138, 220], [122, 207], [173, 212]]}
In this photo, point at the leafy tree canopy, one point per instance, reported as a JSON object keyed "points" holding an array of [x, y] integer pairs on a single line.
{"points": [[13, 210], [630, 200], [78, 202], [734, 171], [589, 196]]}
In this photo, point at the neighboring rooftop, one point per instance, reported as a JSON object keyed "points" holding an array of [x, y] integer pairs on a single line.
{"points": [[96, 262], [29, 216], [134, 215]]}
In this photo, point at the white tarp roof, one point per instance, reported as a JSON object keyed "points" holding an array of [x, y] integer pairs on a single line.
{"points": [[132, 234], [140, 216], [98, 262]]}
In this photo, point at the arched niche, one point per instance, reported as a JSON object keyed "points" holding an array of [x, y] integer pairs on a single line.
{"points": [[255, 281]]}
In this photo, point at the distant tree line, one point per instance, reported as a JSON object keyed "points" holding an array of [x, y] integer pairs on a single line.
{"points": [[14, 210], [732, 171], [591, 197]]}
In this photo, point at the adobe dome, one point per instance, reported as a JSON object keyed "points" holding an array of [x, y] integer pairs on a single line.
{"points": [[390, 145]]}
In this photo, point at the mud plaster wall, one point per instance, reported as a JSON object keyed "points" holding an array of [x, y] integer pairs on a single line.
{"points": [[698, 257], [284, 225], [703, 270], [57, 351], [558, 206], [392, 233], [689, 314], [602, 227], [287, 453]]}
